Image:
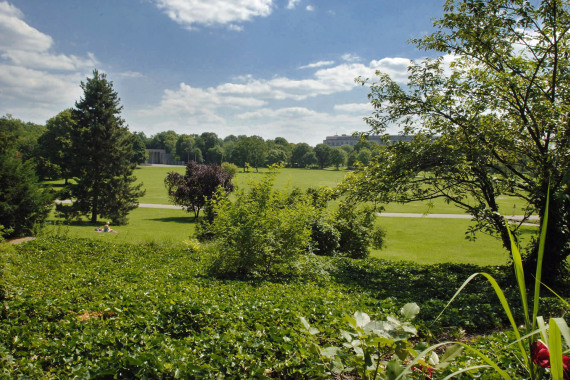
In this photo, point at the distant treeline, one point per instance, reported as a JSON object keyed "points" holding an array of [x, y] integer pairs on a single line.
{"points": [[256, 152], [47, 146]]}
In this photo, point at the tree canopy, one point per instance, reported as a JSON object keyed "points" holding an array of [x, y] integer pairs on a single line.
{"points": [[193, 190], [102, 151], [23, 202], [491, 118]]}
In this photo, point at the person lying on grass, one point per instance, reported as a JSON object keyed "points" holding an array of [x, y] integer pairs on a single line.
{"points": [[105, 228]]}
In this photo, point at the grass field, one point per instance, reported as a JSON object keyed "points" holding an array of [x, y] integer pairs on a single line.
{"points": [[153, 179], [426, 241]]}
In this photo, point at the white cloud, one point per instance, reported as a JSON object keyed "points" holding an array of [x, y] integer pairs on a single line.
{"points": [[310, 8], [35, 81], [317, 64], [397, 68], [360, 108], [292, 4], [214, 12], [351, 57]]}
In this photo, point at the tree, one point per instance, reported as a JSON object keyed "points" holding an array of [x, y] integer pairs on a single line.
{"points": [[55, 144], [338, 157], [298, 154], [323, 153], [165, 140], [23, 202], [193, 190], [490, 118], [102, 149], [184, 146], [140, 154]]}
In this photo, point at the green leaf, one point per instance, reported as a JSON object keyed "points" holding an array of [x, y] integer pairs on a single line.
{"points": [[361, 318], [410, 310], [394, 369], [519, 274], [540, 256], [555, 349]]}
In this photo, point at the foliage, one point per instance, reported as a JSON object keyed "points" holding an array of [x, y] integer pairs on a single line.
{"points": [[302, 156], [323, 153], [533, 354], [140, 154], [82, 308], [23, 202], [101, 157], [194, 189], [356, 228], [54, 146], [338, 157], [261, 233], [490, 118], [382, 349], [230, 168]]}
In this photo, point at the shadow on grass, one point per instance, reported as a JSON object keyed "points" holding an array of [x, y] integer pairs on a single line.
{"points": [[179, 219]]}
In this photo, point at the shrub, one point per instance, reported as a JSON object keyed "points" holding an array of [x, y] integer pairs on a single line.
{"points": [[355, 226], [231, 169], [325, 238], [262, 233]]}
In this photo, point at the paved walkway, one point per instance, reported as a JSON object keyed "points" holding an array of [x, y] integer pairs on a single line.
{"points": [[383, 214]]}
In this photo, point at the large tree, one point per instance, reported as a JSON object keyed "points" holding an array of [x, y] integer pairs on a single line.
{"points": [[491, 118], [23, 202], [102, 149]]}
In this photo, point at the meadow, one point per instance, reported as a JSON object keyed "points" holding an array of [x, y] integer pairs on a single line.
{"points": [[425, 241]]}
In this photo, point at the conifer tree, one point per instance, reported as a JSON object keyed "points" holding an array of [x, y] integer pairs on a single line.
{"points": [[102, 151]]}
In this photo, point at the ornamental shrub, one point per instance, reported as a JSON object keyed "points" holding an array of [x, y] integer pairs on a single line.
{"points": [[261, 233]]}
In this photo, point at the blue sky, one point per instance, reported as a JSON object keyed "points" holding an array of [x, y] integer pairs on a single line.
{"points": [[256, 67]]}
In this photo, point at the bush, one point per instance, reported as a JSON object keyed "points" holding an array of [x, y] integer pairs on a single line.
{"points": [[262, 233], [325, 238], [356, 227], [231, 169]]}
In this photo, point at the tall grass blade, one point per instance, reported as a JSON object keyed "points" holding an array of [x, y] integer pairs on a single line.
{"points": [[462, 370], [555, 349], [422, 354], [542, 327], [563, 328], [519, 274], [504, 303], [541, 244]]}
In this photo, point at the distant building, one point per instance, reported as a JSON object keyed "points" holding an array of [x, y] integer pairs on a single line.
{"points": [[158, 156], [341, 140]]}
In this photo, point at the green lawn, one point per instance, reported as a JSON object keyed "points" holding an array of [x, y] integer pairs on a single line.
{"points": [[420, 240], [153, 179], [146, 225]]}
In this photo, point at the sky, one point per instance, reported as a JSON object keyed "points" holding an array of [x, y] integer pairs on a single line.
{"points": [[272, 68]]}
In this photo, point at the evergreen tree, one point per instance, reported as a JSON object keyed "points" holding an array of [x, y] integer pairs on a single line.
{"points": [[102, 149], [23, 203]]}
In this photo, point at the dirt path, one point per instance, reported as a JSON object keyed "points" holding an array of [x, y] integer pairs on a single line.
{"points": [[20, 240]]}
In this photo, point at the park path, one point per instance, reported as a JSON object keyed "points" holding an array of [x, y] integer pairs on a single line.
{"points": [[383, 214]]}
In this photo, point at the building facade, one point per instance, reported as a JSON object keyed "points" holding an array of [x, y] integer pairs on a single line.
{"points": [[334, 141]]}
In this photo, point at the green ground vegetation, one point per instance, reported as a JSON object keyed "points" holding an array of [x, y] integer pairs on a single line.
{"points": [[87, 308]]}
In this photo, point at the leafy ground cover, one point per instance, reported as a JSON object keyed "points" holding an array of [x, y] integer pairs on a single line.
{"points": [[81, 307]]}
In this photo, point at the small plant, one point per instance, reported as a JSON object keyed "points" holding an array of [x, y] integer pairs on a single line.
{"points": [[537, 357], [382, 349]]}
